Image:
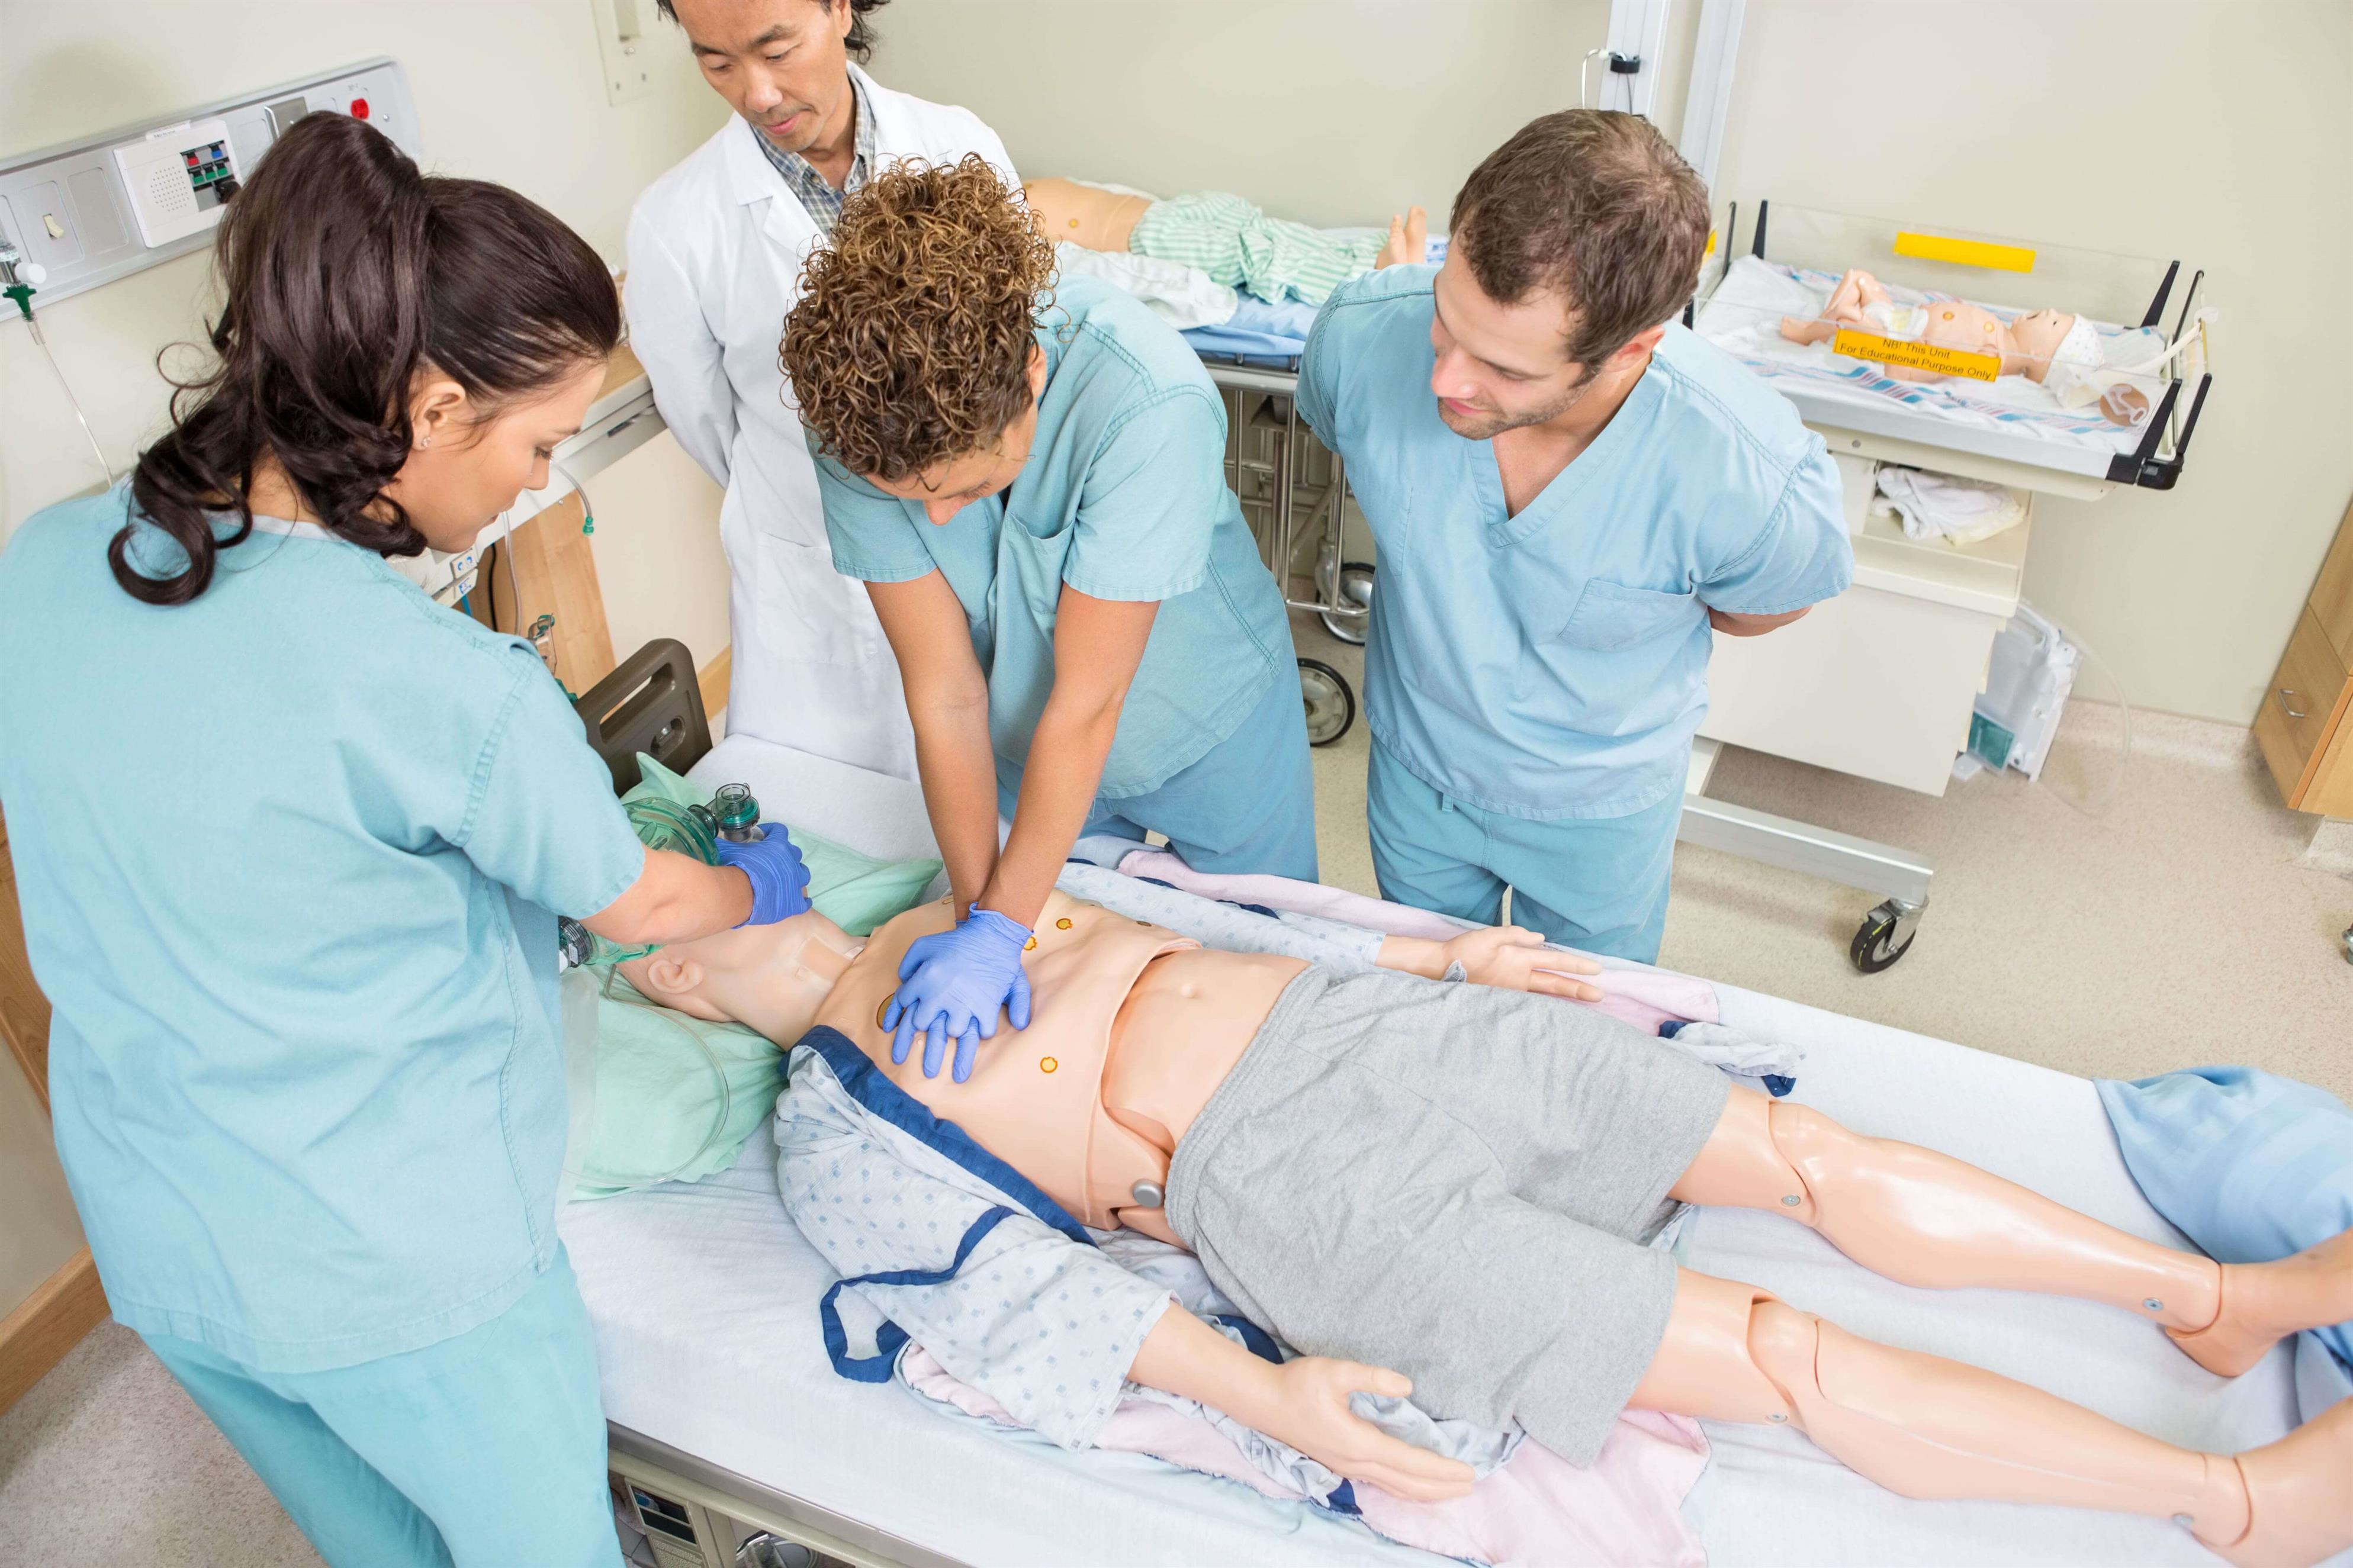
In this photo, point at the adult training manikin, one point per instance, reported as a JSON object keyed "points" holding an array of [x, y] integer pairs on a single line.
{"points": [[1321, 1138]]}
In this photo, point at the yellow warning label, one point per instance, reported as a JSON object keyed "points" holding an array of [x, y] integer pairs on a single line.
{"points": [[1916, 356], [1965, 252]]}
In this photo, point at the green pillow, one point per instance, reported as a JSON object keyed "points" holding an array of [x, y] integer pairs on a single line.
{"points": [[659, 1096], [674, 1098]]}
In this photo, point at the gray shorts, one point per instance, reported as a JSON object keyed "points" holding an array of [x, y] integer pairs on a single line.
{"points": [[1456, 1182]]}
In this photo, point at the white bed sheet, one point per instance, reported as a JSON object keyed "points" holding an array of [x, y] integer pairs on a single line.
{"points": [[704, 1301], [1771, 1497]]}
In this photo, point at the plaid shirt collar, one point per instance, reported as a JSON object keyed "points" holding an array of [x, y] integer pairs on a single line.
{"points": [[820, 200]]}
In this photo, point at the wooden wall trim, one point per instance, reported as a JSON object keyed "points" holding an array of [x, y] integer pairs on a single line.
{"points": [[712, 679], [51, 1321]]}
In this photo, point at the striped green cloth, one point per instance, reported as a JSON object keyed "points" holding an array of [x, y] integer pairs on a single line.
{"points": [[1242, 248]]}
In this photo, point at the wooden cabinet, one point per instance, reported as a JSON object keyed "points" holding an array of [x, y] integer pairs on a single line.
{"points": [[2305, 727]]}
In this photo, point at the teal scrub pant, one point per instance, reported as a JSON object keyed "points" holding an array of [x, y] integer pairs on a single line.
{"points": [[484, 1451], [1248, 805], [1594, 883]]}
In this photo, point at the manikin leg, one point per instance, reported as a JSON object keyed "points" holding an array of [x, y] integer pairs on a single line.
{"points": [[1926, 1427], [1927, 1219]]}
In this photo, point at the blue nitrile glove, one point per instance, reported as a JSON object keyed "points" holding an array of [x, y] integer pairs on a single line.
{"points": [[951, 985], [779, 880]]}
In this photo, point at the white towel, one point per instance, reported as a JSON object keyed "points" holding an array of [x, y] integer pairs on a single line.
{"points": [[1957, 511], [1179, 295]]}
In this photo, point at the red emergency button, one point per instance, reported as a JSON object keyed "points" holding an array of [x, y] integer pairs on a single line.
{"points": [[359, 109]]}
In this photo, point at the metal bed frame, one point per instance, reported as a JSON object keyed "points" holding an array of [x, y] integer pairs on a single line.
{"points": [[1267, 483], [1268, 486]]}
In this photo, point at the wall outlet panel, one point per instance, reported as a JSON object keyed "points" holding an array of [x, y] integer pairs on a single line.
{"points": [[106, 206], [175, 178]]}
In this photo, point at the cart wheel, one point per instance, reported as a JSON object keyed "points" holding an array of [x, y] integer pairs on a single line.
{"points": [[1331, 706], [1875, 947], [1355, 588]]}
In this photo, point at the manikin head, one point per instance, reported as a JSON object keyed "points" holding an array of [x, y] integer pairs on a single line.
{"points": [[770, 978], [1571, 245], [780, 64], [2036, 337], [914, 351]]}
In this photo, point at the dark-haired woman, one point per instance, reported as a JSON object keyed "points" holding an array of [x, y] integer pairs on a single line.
{"points": [[288, 836]]}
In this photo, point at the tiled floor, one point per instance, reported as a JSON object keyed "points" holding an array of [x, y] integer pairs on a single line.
{"points": [[2173, 929]]}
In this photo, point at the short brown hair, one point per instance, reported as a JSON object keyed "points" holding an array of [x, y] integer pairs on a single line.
{"points": [[911, 342], [1594, 204]]}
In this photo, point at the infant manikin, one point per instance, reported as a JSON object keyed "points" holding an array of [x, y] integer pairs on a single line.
{"points": [[2050, 348], [1146, 1049]]}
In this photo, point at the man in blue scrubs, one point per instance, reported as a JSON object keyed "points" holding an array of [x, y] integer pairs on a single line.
{"points": [[1566, 497]]}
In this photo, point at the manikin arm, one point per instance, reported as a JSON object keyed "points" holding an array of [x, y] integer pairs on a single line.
{"points": [[866, 1208], [1302, 1401], [1508, 956]]}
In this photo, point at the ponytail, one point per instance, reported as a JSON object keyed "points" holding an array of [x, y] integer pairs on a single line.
{"points": [[346, 273]]}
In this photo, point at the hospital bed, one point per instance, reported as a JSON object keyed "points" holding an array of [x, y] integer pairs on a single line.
{"points": [[729, 1426]]}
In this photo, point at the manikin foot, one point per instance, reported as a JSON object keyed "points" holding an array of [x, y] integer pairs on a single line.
{"points": [[2299, 1504], [2264, 1302]]}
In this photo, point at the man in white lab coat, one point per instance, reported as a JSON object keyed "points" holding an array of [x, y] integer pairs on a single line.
{"points": [[715, 253]]}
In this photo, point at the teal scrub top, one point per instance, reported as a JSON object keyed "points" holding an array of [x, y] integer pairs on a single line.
{"points": [[1554, 664], [1124, 496], [287, 855]]}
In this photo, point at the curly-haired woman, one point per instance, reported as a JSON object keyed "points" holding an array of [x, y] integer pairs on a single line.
{"points": [[1031, 484]]}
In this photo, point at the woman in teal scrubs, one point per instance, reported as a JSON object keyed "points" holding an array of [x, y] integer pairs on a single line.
{"points": [[1034, 493], [291, 840]]}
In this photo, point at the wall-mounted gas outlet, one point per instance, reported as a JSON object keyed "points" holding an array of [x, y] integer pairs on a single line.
{"points": [[623, 44]]}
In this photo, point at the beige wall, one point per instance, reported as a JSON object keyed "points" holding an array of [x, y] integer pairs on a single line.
{"points": [[2112, 124], [2220, 132], [1331, 111]]}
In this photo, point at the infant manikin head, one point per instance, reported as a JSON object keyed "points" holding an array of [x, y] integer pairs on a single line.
{"points": [[2045, 337], [772, 978]]}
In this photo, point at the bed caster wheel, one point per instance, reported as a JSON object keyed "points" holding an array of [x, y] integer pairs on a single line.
{"points": [[1331, 705], [1884, 936], [1355, 588], [765, 1551]]}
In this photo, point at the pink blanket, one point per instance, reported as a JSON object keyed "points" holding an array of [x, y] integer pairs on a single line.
{"points": [[1538, 1509], [1643, 996]]}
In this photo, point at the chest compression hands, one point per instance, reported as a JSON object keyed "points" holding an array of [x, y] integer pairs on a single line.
{"points": [[953, 983]]}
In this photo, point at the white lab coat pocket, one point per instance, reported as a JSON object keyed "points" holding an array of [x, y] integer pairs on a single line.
{"points": [[809, 611], [1612, 615]]}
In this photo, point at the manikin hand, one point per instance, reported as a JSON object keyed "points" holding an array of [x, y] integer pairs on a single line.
{"points": [[1408, 240], [1308, 1408], [952, 985], [1517, 960]]}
